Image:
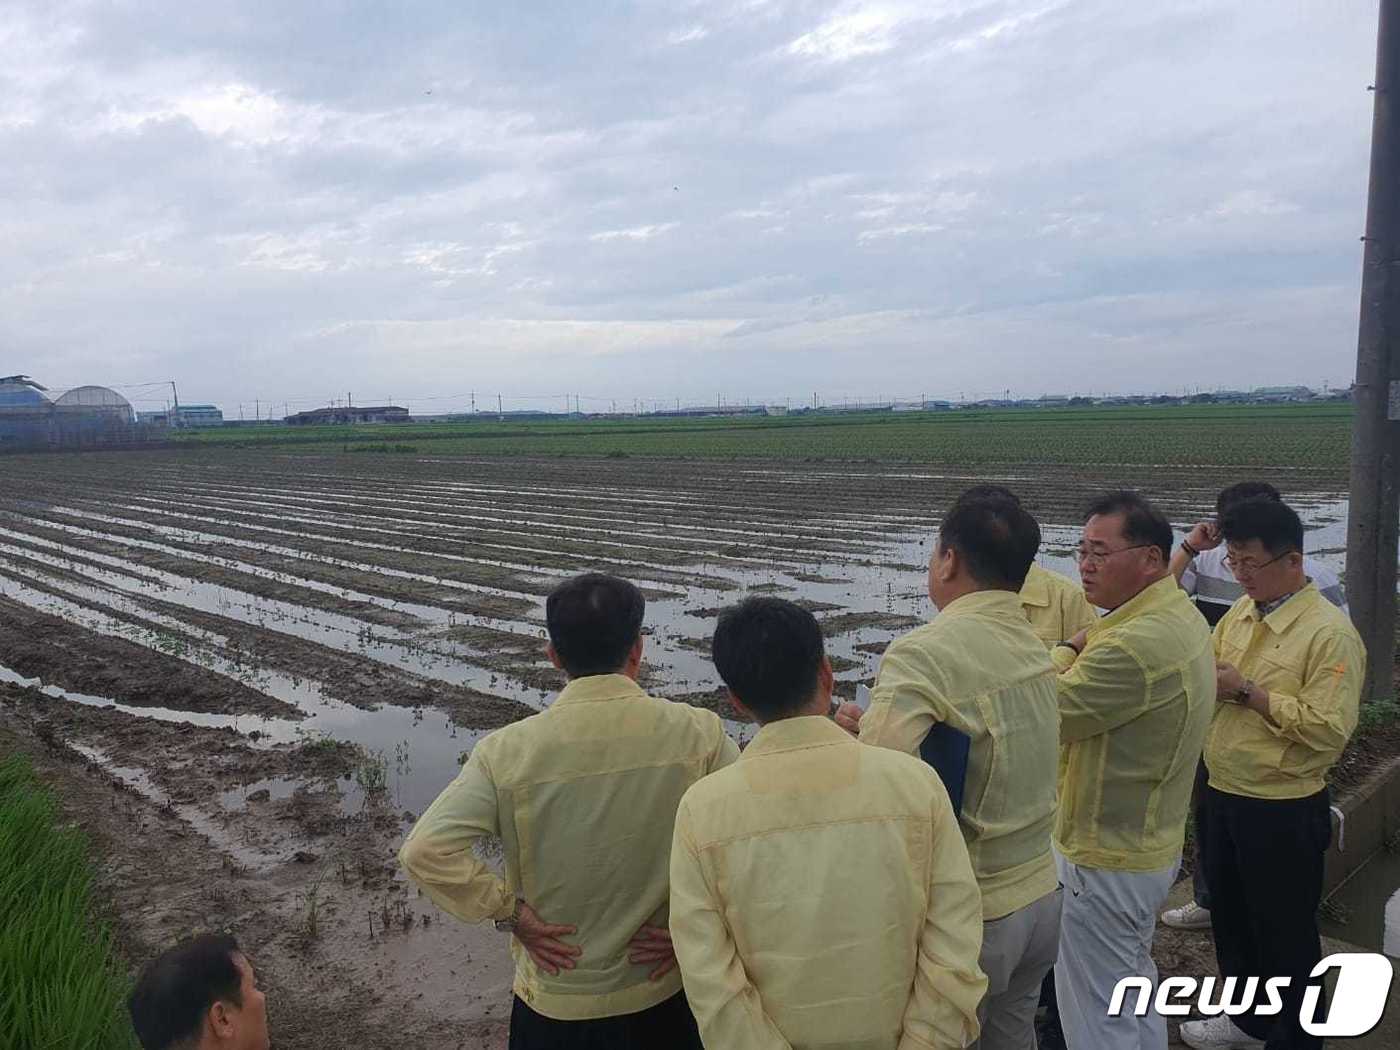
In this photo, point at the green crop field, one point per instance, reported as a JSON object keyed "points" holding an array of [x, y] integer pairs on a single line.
{"points": [[59, 983], [1313, 436]]}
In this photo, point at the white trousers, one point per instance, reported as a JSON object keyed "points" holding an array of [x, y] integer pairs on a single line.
{"points": [[1106, 929], [1017, 952]]}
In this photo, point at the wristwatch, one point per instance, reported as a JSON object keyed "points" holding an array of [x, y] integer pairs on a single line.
{"points": [[1242, 693], [509, 925]]}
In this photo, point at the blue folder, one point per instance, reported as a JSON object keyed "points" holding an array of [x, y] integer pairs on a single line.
{"points": [[946, 750]]}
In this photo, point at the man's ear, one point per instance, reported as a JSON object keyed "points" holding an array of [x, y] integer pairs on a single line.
{"points": [[219, 1020], [947, 563], [553, 656], [826, 679], [743, 712], [635, 656]]}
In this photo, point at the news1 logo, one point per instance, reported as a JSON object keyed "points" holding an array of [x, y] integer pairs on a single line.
{"points": [[1363, 984]]}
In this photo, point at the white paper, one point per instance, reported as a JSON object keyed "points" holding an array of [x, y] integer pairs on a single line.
{"points": [[863, 698]]}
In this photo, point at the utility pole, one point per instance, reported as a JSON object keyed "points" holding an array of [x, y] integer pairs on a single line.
{"points": [[500, 410], [473, 402], [1373, 520], [175, 418]]}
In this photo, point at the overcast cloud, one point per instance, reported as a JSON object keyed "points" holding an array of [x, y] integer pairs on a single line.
{"points": [[289, 201]]}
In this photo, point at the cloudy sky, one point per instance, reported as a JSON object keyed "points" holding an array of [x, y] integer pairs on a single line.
{"points": [[291, 200]]}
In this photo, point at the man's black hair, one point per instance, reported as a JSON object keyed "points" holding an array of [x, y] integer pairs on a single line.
{"points": [[769, 653], [1272, 522], [996, 539], [176, 990], [594, 620], [1242, 491], [1142, 522], [993, 492]]}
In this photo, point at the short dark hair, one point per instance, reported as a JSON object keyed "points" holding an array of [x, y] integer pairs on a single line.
{"points": [[176, 990], [997, 492], [1142, 522], [1242, 491], [593, 621], [995, 537], [1272, 522], [769, 653]]}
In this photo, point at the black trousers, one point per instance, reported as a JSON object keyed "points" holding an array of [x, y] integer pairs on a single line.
{"points": [[1263, 861], [665, 1026], [1199, 890]]}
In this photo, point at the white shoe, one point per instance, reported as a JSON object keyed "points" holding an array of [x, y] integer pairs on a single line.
{"points": [[1190, 916], [1218, 1033]]}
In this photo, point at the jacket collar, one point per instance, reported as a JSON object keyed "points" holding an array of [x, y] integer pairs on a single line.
{"points": [[986, 603], [597, 687], [1036, 590], [1284, 616], [1150, 597], [793, 734]]}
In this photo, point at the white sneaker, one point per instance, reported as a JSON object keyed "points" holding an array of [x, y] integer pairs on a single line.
{"points": [[1218, 1033], [1190, 916]]}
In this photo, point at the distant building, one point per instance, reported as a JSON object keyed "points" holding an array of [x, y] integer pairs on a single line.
{"points": [[86, 416], [26, 412], [95, 402], [349, 414], [198, 416], [1281, 393], [187, 416]]}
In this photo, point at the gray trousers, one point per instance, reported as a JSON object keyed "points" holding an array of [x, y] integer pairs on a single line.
{"points": [[1106, 929], [1017, 952]]}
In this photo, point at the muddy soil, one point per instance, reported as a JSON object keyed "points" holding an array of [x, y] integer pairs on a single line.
{"points": [[343, 676], [353, 679], [210, 572], [833, 626], [72, 657], [421, 592]]}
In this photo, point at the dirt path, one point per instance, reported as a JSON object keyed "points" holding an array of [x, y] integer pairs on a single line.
{"points": [[169, 870]]}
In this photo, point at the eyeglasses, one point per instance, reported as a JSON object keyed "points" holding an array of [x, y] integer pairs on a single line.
{"points": [[1248, 567], [1097, 558]]}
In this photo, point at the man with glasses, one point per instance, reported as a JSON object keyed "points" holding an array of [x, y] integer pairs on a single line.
{"points": [[1199, 563], [1136, 693], [1199, 560], [1289, 690]]}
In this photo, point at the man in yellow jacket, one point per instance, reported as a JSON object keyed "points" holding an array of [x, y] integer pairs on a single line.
{"points": [[1054, 604], [583, 798], [1136, 691], [821, 894], [1289, 684], [979, 673]]}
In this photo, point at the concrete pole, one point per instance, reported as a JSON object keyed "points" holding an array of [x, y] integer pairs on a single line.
{"points": [[1373, 528]]}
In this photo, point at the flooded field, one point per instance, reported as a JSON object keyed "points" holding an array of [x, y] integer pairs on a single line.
{"points": [[291, 654]]}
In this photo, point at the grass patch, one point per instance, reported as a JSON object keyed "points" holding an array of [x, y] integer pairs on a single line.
{"points": [[1378, 714], [60, 985]]}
